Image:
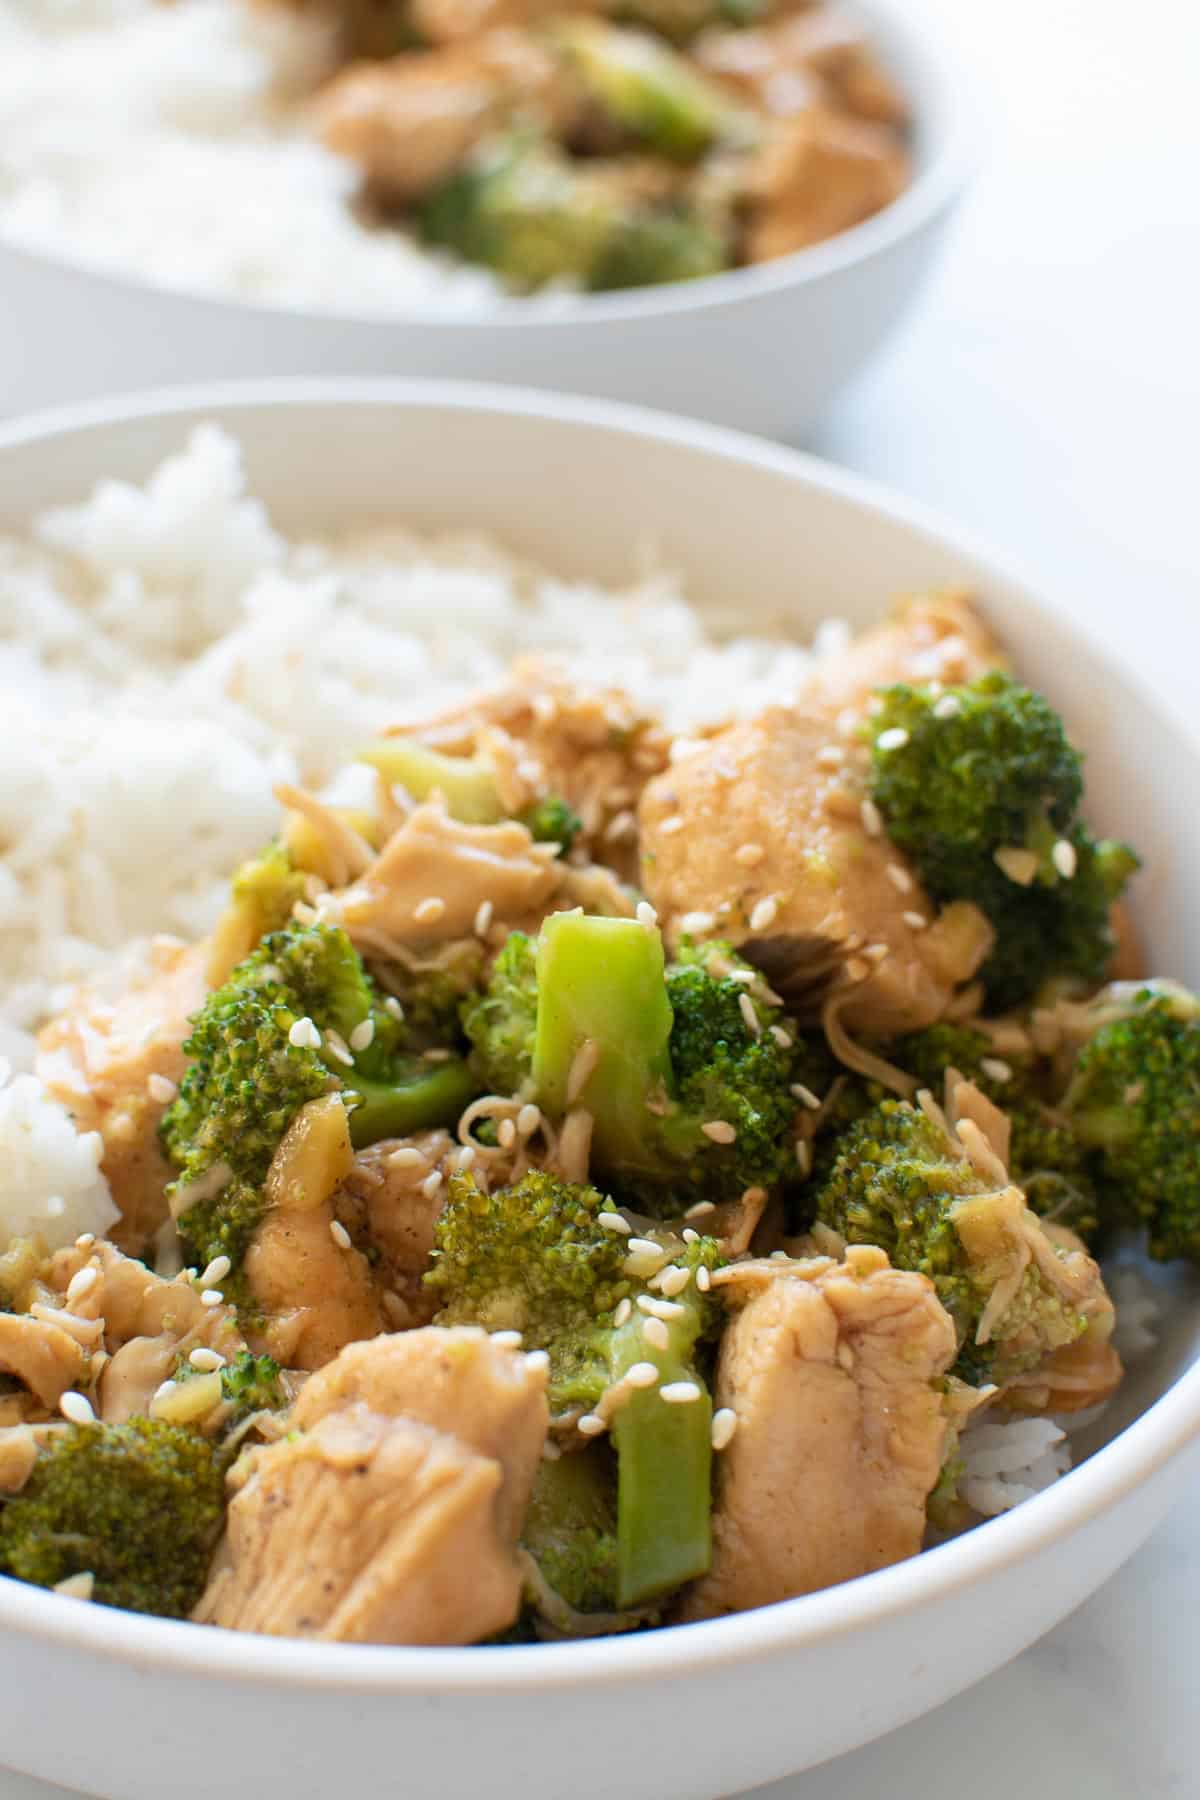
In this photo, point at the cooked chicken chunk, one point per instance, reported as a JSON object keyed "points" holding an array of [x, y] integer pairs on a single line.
{"points": [[778, 853], [430, 879], [812, 58], [42, 1355], [831, 1370], [386, 1196], [114, 1066], [818, 173], [932, 637], [317, 1295], [391, 1515], [409, 123]]}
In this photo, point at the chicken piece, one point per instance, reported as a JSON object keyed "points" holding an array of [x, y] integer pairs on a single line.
{"points": [[392, 1512], [114, 1065], [41, 1354], [780, 855], [317, 1296], [818, 173], [386, 1199], [832, 1371], [410, 123], [142, 1322], [427, 884], [818, 57], [931, 637]]}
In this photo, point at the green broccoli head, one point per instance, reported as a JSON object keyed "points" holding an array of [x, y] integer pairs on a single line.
{"points": [[537, 1258], [898, 1182], [981, 787], [249, 1384], [253, 1061], [137, 1506], [551, 821], [501, 1020], [645, 89], [1134, 1102]]}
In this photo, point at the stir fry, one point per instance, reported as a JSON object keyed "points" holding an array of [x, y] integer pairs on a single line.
{"points": [[600, 1181]]}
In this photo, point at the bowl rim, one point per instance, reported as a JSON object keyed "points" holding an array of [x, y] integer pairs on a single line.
{"points": [[936, 87], [1110, 1475]]}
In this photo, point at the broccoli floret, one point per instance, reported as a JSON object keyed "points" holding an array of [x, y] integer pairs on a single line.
{"points": [[1046, 1158], [249, 1384], [570, 1528], [535, 1258], [501, 1021], [897, 1183], [647, 90], [263, 893], [551, 821], [981, 787], [1134, 1101], [138, 1506], [247, 1079]]}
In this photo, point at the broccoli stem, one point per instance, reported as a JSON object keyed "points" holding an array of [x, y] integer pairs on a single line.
{"points": [[664, 1466], [436, 1095], [603, 982], [468, 787]]}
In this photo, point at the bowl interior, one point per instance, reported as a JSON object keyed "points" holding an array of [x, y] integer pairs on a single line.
{"points": [[763, 538]]}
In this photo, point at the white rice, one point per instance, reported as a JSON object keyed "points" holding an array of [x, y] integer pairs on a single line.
{"points": [[1007, 1462], [169, 141], [166, 656], [50, 1180]]}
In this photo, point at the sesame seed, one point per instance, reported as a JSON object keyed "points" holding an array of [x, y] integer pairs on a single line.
{"points": [[363, 1035], [393, 1008], [656, 1334], [406, 1157], [1065, 858], [948, 707], [429, 910], [703, 1278], [507, 1340], [591, 1425], [672, 1281], [749, 855], [764, 914], [646, 914], [671, 825], [872, 818], [857, 969], [724, 1425], [643, 1374], [876, 953], [160, 1088], [783, 1038], [506, 1133], [433, 1181], [623, 1312], [720, 1131], [645, 1247], [304, 1035], [806, 1096], [680, 1393], [660, 1309], [915, 921], [622, 825], [701, 1208], [697, 922], [537, 1359], [996, 1068], [339, 1234], [612, 1221], [163, 1389], [550, 1451], [337, 1046], [780, 1256], [85, 1240], [435, 1056], [583, 1067], [894, 738], [830, 756], [749, 1016], [900, 878], [216, 1271], [465, 1158], [206, 1360], [77, 1587], [81, 1284], [528, 1120], [803, 1155], [77, 1408]]}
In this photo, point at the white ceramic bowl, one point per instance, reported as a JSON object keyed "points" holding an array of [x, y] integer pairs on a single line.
{"points": [[138, 1709], [763, 348]]}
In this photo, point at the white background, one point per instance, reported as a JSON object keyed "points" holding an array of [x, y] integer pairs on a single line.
{"points": [[1048, 395]]}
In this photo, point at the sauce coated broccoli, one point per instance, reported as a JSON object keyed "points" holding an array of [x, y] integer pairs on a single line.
{"points": [[981, 787]]}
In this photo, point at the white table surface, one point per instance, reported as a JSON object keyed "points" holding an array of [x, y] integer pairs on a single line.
{"points": [[1048, 395]]}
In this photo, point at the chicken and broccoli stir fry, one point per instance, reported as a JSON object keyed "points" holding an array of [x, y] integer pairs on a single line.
{"points": [[595, 1184], [604, 147]]}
